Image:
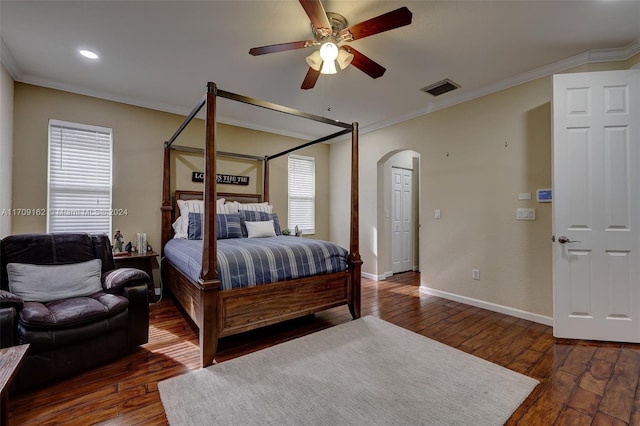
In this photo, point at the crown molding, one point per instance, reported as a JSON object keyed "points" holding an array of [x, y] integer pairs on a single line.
{"points": [[619, 54], [29, 79], [591, 56], [6, 58]]}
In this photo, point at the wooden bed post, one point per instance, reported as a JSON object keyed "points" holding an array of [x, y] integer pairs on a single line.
{"points": [[209, 282], [265, 179], [166, 208], [209, 260], [355, 262]]}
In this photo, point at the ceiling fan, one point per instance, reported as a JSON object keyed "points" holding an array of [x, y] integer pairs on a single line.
{"points": [[331, 33]]}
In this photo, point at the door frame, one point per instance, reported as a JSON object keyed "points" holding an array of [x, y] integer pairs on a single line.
{"points": [[382, 245]]}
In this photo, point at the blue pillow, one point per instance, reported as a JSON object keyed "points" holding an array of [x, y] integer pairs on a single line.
{"points": [[228, 226], [194, 230], [253, 216]]}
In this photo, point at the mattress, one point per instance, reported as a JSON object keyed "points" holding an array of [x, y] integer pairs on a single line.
{"points": [[247, 262]]}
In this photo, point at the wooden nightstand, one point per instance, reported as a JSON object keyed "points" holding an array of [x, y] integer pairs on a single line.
{"points": [[140, 261]]}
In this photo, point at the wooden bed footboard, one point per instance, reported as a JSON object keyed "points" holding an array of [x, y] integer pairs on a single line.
{"points": [[219, 313]]}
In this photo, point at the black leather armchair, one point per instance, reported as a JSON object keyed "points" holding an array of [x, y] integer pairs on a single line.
{"points": [[77, 333]]}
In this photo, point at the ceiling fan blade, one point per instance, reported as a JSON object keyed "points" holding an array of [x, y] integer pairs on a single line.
{"points": [[310, 79], [273, 48], [365, 64], [388, 21], [317, 15]]}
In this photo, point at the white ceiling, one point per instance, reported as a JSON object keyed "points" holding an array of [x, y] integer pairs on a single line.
{"points": [[160, 54]]}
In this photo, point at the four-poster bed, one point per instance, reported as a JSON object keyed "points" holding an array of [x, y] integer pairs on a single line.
{"points": [[219, 312]]}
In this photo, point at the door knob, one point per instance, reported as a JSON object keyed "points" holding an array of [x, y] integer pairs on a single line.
{"points": [[564, 240]]}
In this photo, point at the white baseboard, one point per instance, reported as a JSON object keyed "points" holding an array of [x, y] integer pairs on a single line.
{"points": [[542, 319], [372, 276]]}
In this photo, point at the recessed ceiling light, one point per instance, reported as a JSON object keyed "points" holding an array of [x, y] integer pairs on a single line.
{"points": [[88, 54]]}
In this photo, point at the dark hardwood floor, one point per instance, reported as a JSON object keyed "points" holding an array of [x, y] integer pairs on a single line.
{"points": [[582, 383]]}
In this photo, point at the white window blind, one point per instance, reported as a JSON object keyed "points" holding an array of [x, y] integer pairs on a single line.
{"points": [[79, 178], [302, 193]]}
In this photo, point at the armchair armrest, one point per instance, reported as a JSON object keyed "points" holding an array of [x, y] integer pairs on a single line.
{"points": [[10, 300], [8, 326], [116, 279]]}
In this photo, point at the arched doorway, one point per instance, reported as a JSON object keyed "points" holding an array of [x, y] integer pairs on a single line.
{"points": [[398, 177]]}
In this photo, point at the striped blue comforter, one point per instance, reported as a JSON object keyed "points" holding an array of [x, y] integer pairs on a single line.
{"points": [[246, 262]]}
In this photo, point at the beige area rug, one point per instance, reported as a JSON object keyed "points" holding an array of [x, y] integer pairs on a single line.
{"points": [[365, 372]]}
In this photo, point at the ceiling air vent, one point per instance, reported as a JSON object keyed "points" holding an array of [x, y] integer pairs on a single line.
{"points": [[443, 86]]}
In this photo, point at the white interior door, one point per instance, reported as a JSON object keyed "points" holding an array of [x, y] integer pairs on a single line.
{"points": [[402, 219], [596, 205]]}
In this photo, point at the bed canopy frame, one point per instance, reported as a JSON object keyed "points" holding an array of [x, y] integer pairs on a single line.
{"points": [[204, 301]]}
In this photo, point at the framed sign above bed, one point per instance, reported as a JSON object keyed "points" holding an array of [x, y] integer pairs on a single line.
{"points": [[220, 178]]}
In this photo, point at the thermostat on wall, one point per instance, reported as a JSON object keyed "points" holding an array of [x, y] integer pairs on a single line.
{"points": [[544, 195]]}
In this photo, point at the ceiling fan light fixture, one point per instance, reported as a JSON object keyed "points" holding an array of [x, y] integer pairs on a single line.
{"points": [[329, 51], [328, 67], [344, 58], [314, 60]]}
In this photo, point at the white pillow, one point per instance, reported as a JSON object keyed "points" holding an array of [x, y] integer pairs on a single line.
{"points": [[180, 228], [187, 206], [260, 229], [181, 225], [231, 207], [44, 283], [256, 207]]}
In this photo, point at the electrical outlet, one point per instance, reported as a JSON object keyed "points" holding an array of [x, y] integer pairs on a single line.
{"points": [[475, 274], [158, 291]]}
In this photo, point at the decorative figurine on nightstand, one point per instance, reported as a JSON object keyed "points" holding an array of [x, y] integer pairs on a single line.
{"points": [[128, 247], [117, 241], [298, 232]]}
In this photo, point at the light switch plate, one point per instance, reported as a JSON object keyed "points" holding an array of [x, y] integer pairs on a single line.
{"points": [[525, 214], [524, 196]]}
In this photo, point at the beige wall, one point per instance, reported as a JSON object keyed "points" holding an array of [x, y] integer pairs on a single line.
{"points": [[6, 149], [475, 158], [138, 136]]}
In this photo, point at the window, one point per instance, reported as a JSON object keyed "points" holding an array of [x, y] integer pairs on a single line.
{"points": [[79, 178], [302, 193]]}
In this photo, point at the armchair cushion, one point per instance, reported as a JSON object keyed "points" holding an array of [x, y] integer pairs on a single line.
{"points": [[10, 300], [44, 283], [114, 280], [72, 312]]}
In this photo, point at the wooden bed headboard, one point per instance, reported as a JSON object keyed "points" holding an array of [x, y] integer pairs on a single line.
{"points": [[228, 196]]}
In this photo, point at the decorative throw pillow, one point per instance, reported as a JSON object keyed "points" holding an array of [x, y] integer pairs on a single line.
{"points": [[260, 229], [228, 226], [194, 228], [45, 283], [257, 216]]}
